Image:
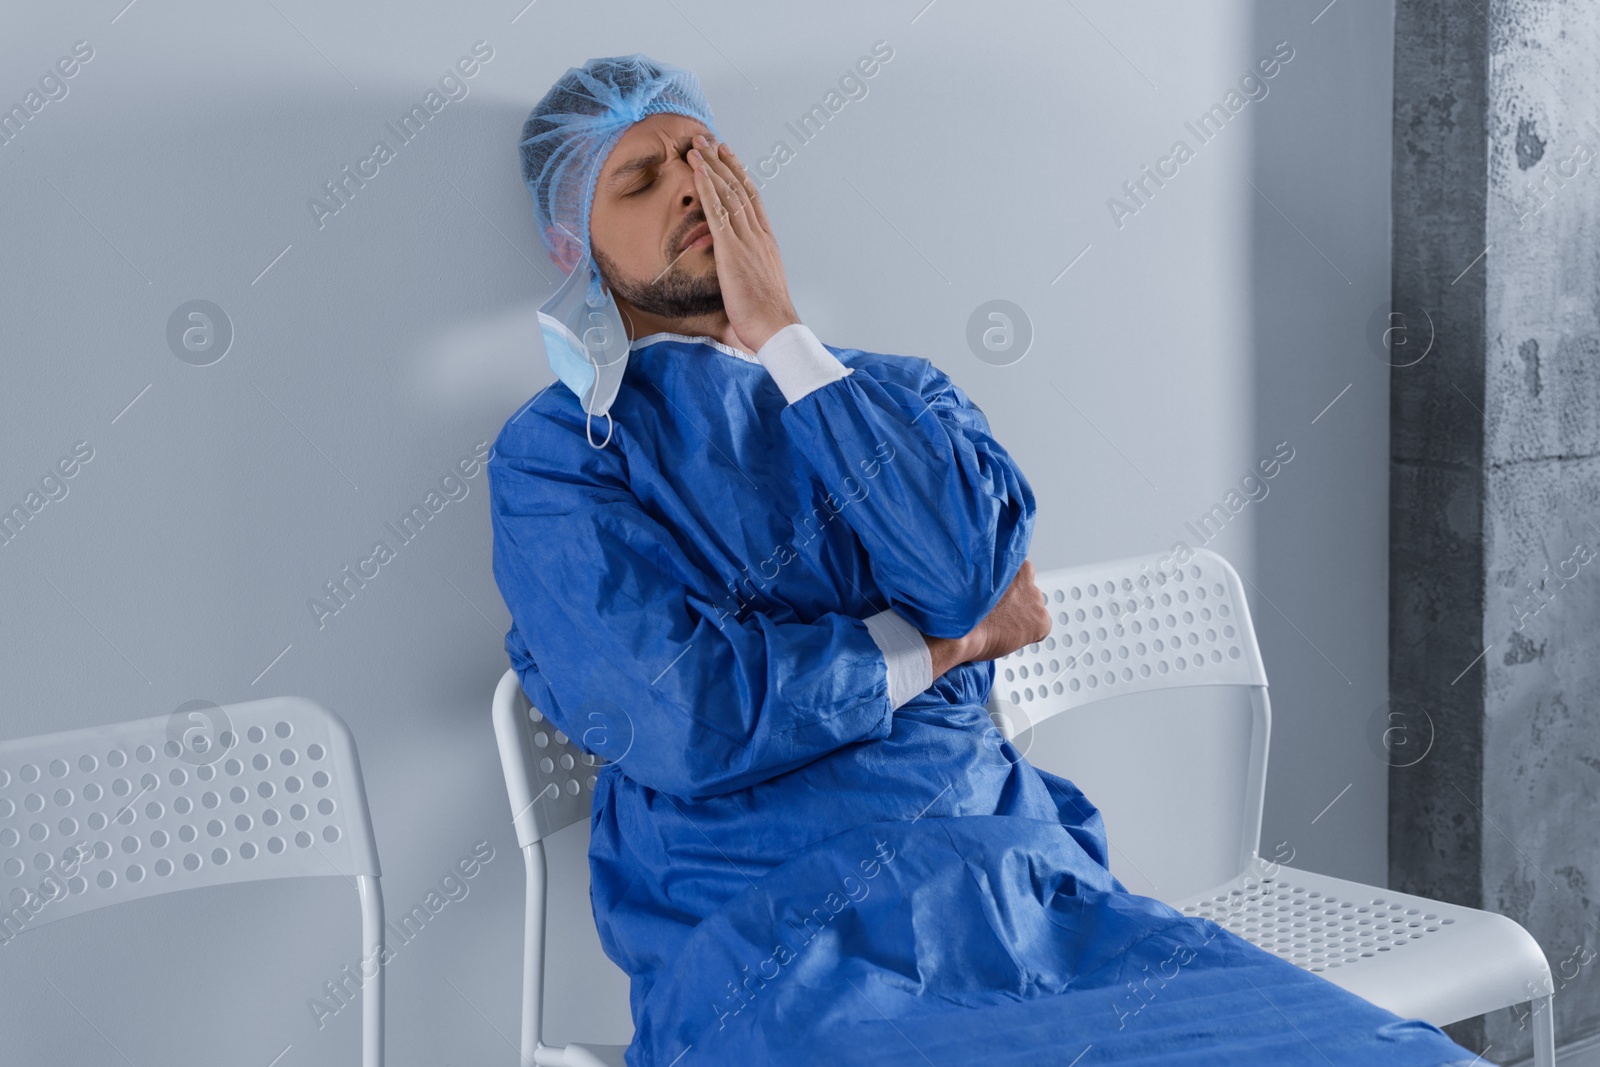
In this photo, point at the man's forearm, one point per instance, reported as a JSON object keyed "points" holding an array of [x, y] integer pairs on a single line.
{"points": [[947, 652], [1020, 619]]}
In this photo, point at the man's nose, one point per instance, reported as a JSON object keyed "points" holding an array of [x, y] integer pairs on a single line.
{"points": [[689, 193]]}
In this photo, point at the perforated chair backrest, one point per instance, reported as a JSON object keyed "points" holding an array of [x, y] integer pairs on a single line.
{"points": [[1126, 626], [1138, 625], [550, 780], [97, 816]]}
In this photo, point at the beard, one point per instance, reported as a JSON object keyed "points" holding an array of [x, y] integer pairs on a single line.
{"points": [[676, 294]]}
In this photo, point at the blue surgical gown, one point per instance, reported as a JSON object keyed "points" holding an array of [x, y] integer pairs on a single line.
{"points": [[789, 867]]}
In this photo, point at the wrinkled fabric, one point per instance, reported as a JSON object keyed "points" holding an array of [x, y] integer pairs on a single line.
{"points": [[791, 870]]}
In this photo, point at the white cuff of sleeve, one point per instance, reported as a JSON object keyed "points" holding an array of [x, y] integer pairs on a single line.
{"points": [[798, 362], [905, 653]]}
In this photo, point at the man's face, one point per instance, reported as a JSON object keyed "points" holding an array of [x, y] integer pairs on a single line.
{"points": [[645, 207]]}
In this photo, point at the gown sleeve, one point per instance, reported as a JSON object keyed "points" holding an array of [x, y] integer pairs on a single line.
{"points": [[943, 511], [647, 666]]}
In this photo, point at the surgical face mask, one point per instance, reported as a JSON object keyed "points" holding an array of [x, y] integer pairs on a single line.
{"points": [[586, 343]]}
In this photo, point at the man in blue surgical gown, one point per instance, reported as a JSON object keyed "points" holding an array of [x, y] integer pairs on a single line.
{"points": [[765, 578]]}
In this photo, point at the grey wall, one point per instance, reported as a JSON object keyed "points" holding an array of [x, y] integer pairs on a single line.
{"points": [[1496, 482], [1319, 278], [1542, 407], [370, 353]]}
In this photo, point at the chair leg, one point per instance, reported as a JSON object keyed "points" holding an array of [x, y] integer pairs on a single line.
{"points": [[533, 953], [1544, 1031], [371, 893]]}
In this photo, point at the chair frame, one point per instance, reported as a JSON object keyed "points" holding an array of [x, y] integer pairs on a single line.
{"points": [[165, 748], [1136, 581], [542, 802]]}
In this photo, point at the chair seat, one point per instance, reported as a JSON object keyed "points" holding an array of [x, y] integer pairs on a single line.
{"points": [[1419, 958]]}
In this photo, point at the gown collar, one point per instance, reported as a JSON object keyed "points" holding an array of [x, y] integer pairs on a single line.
{"points": [[703, 340]]}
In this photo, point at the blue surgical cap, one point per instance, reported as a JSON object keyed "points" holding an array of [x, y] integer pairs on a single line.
{"points": [[569, 133]]}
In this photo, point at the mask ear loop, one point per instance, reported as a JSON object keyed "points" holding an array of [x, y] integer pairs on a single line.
{"points": [[610, 426]]}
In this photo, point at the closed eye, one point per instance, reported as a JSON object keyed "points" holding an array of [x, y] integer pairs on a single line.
{"points": [[684, 155]]}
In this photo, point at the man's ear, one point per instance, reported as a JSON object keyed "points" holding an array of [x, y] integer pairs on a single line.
{"points": [[565, 251]]}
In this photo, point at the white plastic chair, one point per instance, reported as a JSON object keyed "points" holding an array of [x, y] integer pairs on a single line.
{"points": [[1127, 626], [245, 792], [550, 783]]}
